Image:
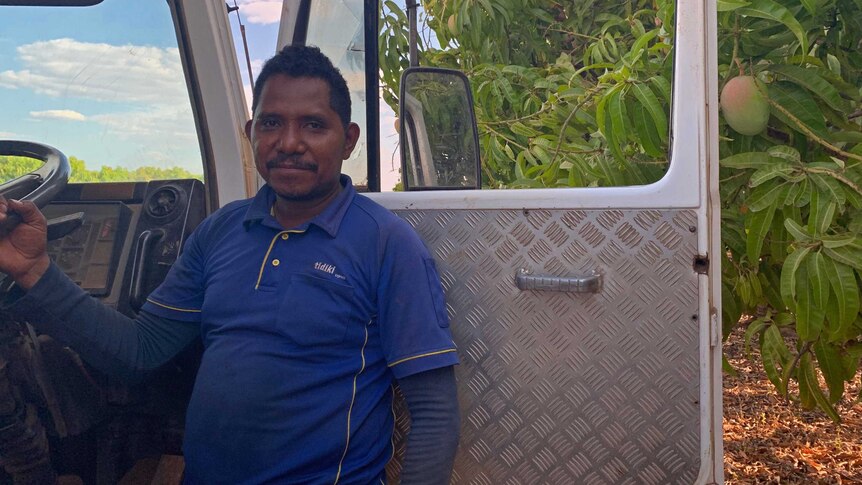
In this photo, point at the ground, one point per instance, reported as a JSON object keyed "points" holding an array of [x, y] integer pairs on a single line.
{"points": [[770, 440]]}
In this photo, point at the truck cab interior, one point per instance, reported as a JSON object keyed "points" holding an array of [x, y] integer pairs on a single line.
{"points": [[134, 87]]}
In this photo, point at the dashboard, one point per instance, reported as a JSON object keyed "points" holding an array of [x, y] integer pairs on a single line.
{"points": [[130, 235]]}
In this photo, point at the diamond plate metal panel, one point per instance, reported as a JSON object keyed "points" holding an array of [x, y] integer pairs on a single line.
{"points": [[564, 388]]}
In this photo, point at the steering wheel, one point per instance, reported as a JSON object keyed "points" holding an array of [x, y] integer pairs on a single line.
{"points": [[38, 186]]}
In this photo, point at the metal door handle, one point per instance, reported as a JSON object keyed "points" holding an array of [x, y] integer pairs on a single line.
{"points": [[591, 283]]}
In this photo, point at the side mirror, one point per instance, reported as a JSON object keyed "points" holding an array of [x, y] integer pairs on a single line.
{"points": [[439, 140]]}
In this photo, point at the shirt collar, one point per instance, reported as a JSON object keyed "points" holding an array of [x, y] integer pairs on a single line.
{"points": [[259, 212]]}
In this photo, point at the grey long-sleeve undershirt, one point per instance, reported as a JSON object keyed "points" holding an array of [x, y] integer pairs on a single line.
{"points": [[128, 349]]}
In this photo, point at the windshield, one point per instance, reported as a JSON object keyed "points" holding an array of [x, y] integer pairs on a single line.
{"points": [[337, 28], [102, 84]]}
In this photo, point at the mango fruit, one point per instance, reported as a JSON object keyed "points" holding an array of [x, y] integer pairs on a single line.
{"points": [[452, 23], [744, 104]]}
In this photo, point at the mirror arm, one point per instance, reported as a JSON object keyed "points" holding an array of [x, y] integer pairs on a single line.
{"points": [[412, 14]]}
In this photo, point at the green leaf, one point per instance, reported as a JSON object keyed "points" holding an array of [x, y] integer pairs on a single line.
{"points": [[519, 128], [809, 5], [796, 230], [778, 169], [822, 211], [830, 186], [637, 47], [846, 136], [809, 318], [766, 195], [661, 86], [806, 395], [757, 226], [728, 5], [838, 240], [649, 101], [773, 352], [784, 319], [806, 368], [771, 360], [810, 80], [832, 367], [730, 311], [778, 239], [804, 197], [771, 290], [617, 111], [846, 255], [726, 368], [767, 9], [755, 328], [748, 160], [602, 111], [794, 192], [645, 129], [819, 279], [800, 104], [843, 309], [788, 275], [786, 152]]}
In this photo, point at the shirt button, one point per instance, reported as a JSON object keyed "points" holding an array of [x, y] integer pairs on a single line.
{"points": [[275, 262], [285, 236]]}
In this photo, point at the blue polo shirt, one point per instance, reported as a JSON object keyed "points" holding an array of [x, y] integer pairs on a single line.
{"points": [[304, 330]]}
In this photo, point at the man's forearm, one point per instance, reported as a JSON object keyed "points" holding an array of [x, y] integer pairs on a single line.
{"points": [[434, 428], [106, 339]]}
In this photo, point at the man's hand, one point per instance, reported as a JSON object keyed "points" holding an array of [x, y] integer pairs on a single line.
{"points": [[23, 250]]}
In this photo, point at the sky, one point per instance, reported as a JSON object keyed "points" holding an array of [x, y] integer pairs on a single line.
{"points": [[59, 82]]}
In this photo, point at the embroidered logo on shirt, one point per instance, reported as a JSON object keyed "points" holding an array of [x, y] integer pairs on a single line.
{"points": [[326, 268]]}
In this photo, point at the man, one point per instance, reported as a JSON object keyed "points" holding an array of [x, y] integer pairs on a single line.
{"points": [[309, 299]]}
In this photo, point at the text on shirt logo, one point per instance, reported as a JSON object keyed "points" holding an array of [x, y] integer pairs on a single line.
{"points": [[326, 268]]}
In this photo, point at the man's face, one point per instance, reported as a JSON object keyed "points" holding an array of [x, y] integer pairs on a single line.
{"points": [[298, 140]]}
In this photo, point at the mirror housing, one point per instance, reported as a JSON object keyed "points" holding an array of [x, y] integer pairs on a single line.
{"points": [[437, 129]]}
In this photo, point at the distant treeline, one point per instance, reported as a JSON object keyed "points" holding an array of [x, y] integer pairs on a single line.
{"points": [[13, 167]]}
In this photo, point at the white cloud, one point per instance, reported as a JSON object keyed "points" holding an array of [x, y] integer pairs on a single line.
{"points": [[262, 12], [58, 114], [154, 123], [256, 66], [66, 68], [135, 94]]}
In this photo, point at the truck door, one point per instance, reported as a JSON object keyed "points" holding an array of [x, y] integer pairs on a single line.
{"points": [[617, 384]]}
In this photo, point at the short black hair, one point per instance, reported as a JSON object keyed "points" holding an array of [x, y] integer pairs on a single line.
{"points": [[307, 61]]}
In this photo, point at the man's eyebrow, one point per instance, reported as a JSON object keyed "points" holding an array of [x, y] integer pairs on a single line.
{"points": [[314, 117]]}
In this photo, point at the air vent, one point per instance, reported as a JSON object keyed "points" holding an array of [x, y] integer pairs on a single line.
{"points": [[163, 202]]}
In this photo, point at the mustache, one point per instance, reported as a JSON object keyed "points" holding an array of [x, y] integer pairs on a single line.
{"points": [[285, 160]]}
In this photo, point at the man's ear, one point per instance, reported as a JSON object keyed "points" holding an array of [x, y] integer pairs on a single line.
{"points": [[248, 129], [351, 136]]}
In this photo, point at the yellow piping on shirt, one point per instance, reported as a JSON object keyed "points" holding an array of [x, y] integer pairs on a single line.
{"points": [[350, 409], [269, 250], [189, 310], [429, 354]]}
